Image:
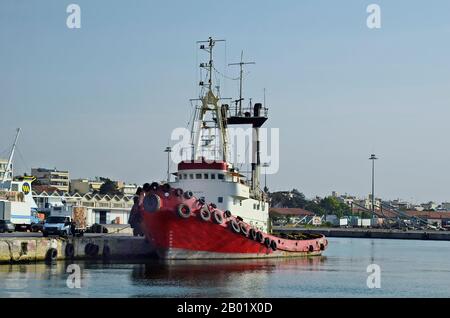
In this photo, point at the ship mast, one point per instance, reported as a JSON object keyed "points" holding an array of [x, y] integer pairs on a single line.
{"points": [[11, 155], [210, 104]]}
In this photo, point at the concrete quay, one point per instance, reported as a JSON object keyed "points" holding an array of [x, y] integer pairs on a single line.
{"points": [[370, 233], [26, 249]]}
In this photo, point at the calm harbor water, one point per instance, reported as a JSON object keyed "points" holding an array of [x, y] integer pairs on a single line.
{"points": [[408, 269]]}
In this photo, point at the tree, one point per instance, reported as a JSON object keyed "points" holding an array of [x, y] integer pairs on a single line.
{"points": [[108, 187]]}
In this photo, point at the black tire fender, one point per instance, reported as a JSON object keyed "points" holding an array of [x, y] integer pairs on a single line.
{"points": [[252, 234], [205, 214], [51, 255], [188, 195], [273, 245], [234, 226], [244, 229], [69, 250], [259, 237], [217, 217], [152, 203], [183, 211]]}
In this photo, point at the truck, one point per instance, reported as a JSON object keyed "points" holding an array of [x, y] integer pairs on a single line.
{"points": [[19, 213], [65, 220]]}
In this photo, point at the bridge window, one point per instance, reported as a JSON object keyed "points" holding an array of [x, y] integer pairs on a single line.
{"points": [[220, 176], [198, 176], [191, 176], [205, 176], [213, 176], [180, 176]]}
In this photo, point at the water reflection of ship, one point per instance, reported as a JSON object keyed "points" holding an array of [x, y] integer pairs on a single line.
{"points": [[226, 274]]}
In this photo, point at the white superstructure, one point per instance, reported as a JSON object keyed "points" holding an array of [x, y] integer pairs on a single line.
{"points": [[209, 174]]}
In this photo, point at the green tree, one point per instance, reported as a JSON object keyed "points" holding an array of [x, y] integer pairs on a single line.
{"points": [[108, 187]]}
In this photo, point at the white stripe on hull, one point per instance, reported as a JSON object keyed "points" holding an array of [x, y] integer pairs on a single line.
{"points": [[177, 253]]}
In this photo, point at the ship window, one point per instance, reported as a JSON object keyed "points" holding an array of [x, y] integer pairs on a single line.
{"points": [[220, 176], [205, 176], [191, 176], [180, 176], [198, 176], [240, 202], [184, 176], [220, 199], [213, 176]]}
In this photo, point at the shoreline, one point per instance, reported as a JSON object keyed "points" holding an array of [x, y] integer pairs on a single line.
{"points": [[370, 233]]}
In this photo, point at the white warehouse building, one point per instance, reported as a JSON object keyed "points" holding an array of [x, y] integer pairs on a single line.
{"points": [[101, 209]]}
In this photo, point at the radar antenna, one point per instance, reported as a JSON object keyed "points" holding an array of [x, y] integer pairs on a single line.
{"points": [[241, 75]]}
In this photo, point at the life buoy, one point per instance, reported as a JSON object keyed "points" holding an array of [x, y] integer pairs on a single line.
{"points": [[259, 236], [205, 214], [69, 250], [273, 245], [217, 217], [188, 195], [154, 186], [244, 229], [51, 255], [227, 214], [234, 226], [267, 242], [152, 202], [179, 192], [252, 234], [183, 211]]}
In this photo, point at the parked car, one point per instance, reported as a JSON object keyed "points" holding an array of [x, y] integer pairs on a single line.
{"points": [[37, 227], [57, 225], [6, 226]]}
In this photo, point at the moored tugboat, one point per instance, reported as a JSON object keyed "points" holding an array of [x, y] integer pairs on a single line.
{"points": [[178, 218]]}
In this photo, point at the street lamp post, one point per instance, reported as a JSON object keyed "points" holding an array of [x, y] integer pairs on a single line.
{"points": [[373, 158], [265, 165], [168, 150]]}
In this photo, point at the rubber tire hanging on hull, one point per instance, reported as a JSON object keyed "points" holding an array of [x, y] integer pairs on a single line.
{"points": [[259, 237], [252, 234], [234, 226], [244, 229], [217, 217], [183, 211], [205, 214]]}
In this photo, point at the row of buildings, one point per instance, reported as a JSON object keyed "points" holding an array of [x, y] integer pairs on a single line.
{"points": [[366, 203], [60, 180]]}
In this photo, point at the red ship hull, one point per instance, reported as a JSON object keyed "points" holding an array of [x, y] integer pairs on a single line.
{"points": [[192, 237]]}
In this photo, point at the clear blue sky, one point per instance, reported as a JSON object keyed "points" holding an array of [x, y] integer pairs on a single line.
{"points": [[102, 100]]}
